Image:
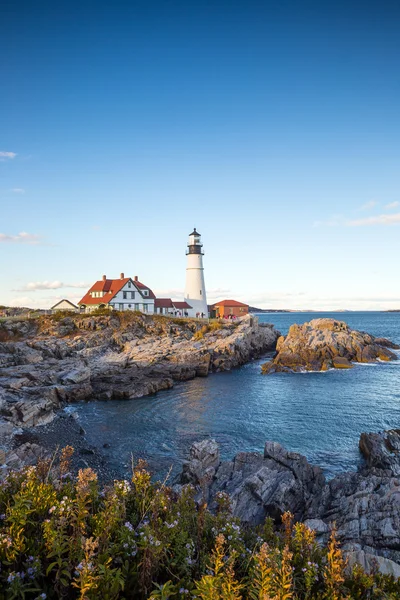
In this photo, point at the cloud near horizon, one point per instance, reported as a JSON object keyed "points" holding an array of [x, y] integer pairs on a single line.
{"points": [[34, 286], [17, 190], [20, 238]]}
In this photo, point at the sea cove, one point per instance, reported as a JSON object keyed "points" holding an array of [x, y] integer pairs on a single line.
{"points": [[320, 415]]}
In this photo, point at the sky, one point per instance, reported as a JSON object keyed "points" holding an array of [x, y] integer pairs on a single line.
{"points": [[271, 126]]}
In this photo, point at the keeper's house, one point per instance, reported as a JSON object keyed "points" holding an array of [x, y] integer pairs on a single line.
{"points": [[124, 293], [229, 308]]}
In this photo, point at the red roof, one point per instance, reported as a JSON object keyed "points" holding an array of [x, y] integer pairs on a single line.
{"points": [[142, 287], [111, 287], [163, 303], [182, 305], [229, 303]]}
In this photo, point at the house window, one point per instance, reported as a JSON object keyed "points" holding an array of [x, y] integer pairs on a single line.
{"points": [[129, 284], [145, 292], [200, 292], [144, 307], [121, 306], [132, 295], [125, 294], [136, 306]]}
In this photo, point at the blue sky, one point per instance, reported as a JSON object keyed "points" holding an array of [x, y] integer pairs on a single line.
{"points": [[273, 127]]}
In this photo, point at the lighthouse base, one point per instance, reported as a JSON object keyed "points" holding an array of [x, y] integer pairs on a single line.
{"points": [[199, 308]]}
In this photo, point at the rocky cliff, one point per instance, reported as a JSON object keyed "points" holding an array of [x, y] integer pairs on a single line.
{"points": [[322, 344], [365, 505], [48, 362]]}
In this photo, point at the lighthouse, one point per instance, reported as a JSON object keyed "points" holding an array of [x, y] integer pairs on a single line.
{"points": [[195, 289]]}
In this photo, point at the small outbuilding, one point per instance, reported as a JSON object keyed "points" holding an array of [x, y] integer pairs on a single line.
{"points": [[65, 305], [167, 306], [229, 309]]}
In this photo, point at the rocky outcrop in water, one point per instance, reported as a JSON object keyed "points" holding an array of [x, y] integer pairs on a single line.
{"points": [[46, 363], [365, 505], [323, 344]]}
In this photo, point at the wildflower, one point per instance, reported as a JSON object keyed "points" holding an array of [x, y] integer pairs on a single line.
{"points": [[129, 525], [79, 568]]}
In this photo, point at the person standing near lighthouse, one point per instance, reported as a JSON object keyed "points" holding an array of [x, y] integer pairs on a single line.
{"points": [[195, 289]]}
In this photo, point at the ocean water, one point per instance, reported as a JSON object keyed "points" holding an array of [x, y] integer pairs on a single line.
{"points": [[320, 415]]}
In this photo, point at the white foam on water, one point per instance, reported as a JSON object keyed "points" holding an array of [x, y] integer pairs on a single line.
{"points": [[360, 364]]}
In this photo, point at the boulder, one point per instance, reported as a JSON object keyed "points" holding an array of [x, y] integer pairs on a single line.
{"points": [[371, 563], [341, 362], [202, 464], [326, 343], [382, 450]]}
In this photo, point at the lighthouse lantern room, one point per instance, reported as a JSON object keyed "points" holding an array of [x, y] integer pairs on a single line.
{"points": [[195, 289]]}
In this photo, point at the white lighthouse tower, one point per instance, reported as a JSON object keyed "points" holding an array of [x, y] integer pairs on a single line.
{"points": [[195, 289]]}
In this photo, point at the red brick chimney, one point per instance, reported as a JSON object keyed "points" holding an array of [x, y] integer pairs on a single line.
{"points": [[122, 276], [104, 278], [136, 278]]}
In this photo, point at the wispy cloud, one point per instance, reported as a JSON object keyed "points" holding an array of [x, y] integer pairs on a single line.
{"points": [[393, 219], [20, 238], [34, 286], [392, 205], [17, 190], [7, 156], [369, 205], [334, 221]]}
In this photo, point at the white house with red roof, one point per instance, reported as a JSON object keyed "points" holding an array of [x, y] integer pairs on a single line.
{"points": [[124, 293]]}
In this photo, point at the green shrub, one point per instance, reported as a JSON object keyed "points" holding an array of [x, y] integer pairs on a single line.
{"points": [[65, 537]]}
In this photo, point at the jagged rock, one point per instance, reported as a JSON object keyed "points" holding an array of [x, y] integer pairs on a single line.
{"points": [[382, 450], [366, 510], [326, 343], [258, 486], [371, 563], [365, 505], [26, 454], [75, 376], [340, 362], [204, 459]]}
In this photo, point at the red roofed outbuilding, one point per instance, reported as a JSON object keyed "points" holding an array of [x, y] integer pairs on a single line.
{"points": [[166, 306], [229, 308]]}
